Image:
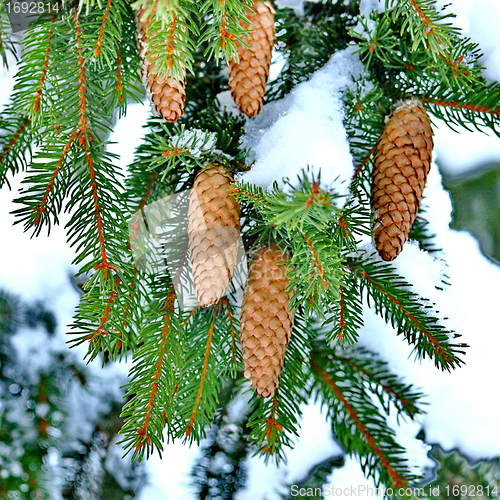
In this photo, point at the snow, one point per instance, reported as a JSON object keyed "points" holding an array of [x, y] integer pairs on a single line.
{"points": [[366, 6], [473, 151], [305, 129], [479, 20], [169, 477]]}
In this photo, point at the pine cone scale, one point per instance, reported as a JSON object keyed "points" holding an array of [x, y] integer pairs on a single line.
{"points": [[402, 163], [266, 320], [168, 95], [213, 233], [248, 76]]}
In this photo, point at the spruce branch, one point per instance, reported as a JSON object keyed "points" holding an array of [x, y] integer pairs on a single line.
{"points": [[347, 317], [16, 144], [153, 378], [478, 108], [358, 425], [168, 40], [427, 27], [274, 421], [411, 315], [303, 218], [307, 42], [208, 359], [223, 30], [8, 39], [366, 367], [203, 376]]}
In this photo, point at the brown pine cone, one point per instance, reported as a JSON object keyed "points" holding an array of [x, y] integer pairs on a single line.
{"points": [[248, 77], [266, 320], [213, 233], [402, 162], [167, 94]]}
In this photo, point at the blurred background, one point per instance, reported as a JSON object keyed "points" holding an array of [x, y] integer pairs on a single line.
{"points": [[59, 418]]}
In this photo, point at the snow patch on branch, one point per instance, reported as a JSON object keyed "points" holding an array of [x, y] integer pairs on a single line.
{"points": [[306, 128]]}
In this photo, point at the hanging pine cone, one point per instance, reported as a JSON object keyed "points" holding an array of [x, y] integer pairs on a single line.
{"points": [[168, 95], [402, 163], [266, 320], [248, 77], [213, 232]]}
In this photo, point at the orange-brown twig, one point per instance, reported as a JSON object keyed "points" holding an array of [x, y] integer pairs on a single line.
{"points": [[42, 207], [230, 316], [438, 349], [98, 46], [365, 161], [399, 481], [143, 431], [459, 105], [15, 138], [38, 97], [203, 373]]}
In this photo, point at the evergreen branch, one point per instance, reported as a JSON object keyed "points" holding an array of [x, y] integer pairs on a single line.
{"points": [[119, 81], [365, 161], [318, 268], [15, 144], [224, 31], [307, 42], [36, 104], [365, 122], [34, 83], [205, 366], [102, 32], [420, 232], [143, 431], [461, 105], [425, 26], [347, 318], [301, 218], [148, 191], [103, 319], [6, 38], [82, 80], [385, 453], [173, 151], [274, 422], [372, 370], [15, 137], [161, 8], [104, 264], [354, 220], [231, 323], [250, 193], [315, 272], [123, 60], [229, 354], [42, 207], [203, 373], [93, 338], [403, 308], [99, 43], [154, 376], [169, 50], [368, 369]]}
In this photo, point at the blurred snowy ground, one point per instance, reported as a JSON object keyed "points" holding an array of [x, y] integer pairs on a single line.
{"points": [[463, 408]]}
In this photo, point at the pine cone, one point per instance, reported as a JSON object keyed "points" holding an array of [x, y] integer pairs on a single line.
{"points": [[213, 233], [402, 163], [167, 94], [266, 320], [248, 77]]}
